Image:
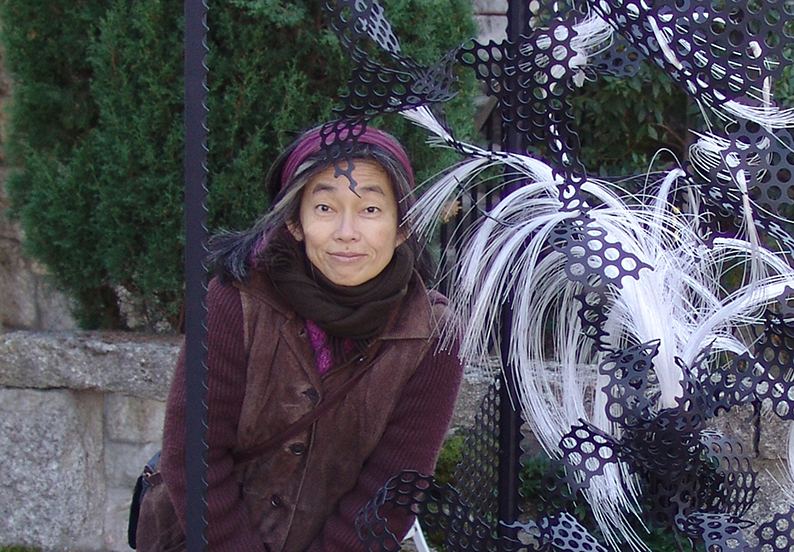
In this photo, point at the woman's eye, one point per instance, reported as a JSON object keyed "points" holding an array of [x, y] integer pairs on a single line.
{"points": [[323, 208], [371, 210]]}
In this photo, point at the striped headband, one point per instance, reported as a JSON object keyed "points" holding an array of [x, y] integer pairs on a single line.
{"points": [[312, 143]]}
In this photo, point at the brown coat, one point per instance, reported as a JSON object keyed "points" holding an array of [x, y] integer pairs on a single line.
{"points": [[291, 492]]}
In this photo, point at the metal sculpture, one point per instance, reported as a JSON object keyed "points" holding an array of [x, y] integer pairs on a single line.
{"points": [[628, 286]]}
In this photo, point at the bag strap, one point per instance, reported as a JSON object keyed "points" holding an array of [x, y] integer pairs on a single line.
{"points": [[307, 419]]}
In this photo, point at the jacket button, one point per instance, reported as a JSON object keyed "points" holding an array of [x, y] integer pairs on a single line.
{"points": [[276, 501], [312, 395], [297, 448]]}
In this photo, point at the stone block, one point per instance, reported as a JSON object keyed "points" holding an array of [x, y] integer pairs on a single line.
{"points": [[491, 27], [51, 469], [116, 519], [472, 391], [489, 6], [740, 425], [131, 364], [124, 462], [133, 420], [27, 297], [773, 438]]}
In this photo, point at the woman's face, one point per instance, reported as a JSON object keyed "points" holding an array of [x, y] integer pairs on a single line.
{"points": [[350, 237]]}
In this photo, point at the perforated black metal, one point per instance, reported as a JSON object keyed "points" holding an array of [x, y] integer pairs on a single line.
{"points": [[355, 22], [531, 80], [725, 386], [719, 51], [694, 479], [684, 468], [785, 302], [667, 453], [697, 480], [438, 509], [620, 60], [477, 474], [716, 51], [631, 384], [774, 352], [586, 451], [568, 535], [383, 79], [597, 264], [374, 89], [766, 158], [533, 76], [724, 196], [777, 535], [719, 532], [735, 490]]}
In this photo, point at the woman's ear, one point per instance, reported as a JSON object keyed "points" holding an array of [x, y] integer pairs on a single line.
{"points": [[402, 235], [295, 229]]}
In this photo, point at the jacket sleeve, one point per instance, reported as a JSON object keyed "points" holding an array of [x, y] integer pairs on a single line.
{"points": [[412, 441], [229, 528]]}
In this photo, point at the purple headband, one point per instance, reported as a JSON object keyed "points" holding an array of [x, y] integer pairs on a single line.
{"points": [[312, 143]]}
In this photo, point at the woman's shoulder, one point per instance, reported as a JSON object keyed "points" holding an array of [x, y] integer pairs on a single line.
{"points": [[444, 316], [221, 290], [256, 287], [439, 314]]}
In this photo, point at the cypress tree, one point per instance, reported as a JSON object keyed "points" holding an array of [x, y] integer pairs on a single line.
{"points": [[100, 196]]}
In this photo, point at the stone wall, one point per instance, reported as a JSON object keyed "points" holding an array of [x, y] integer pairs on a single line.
{"points": [[80, 414], [491, 19]]}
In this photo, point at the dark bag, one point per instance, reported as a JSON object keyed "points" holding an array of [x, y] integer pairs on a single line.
{"points": [[146, 480]]}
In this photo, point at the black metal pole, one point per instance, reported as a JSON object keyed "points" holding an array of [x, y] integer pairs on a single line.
{"points": [[509, 416], [195, 273]]}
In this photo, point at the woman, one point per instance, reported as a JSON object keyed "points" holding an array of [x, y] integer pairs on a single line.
{"points": [[320, 307]]}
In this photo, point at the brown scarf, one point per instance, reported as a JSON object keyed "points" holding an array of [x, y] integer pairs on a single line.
{"points": [[355, 312]]}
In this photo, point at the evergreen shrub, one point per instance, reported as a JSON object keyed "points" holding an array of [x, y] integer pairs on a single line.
{"points": [[96, 128]]}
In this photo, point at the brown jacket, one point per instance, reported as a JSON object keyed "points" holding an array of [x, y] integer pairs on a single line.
{"points": [[292, 492]]}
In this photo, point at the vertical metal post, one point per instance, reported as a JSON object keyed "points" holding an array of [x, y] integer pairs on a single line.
{"points": [[509, 415], [195, 273]]}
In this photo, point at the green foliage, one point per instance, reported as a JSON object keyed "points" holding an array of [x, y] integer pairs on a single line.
{"points": [[97, 123], [630, 125], [450, 456], [624, 122], [45, 49]]}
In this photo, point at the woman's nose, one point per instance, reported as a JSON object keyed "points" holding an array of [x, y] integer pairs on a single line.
{"points": [[347, 228]]}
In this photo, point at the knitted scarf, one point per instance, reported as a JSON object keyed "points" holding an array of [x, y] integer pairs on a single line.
{"points": [[354, 312]]}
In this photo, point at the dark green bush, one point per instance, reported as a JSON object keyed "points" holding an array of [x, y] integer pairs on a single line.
{"points": [[624, 122], [97, 121]]}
